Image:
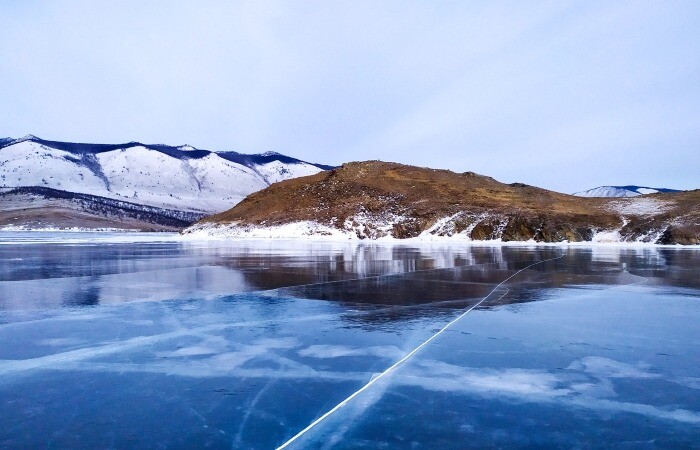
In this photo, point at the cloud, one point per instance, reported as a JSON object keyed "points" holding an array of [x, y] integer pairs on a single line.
{"points": [[553, 88]]}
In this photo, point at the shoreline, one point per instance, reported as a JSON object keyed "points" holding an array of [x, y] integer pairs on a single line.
{"points": [[127, 236], [300, 231]]}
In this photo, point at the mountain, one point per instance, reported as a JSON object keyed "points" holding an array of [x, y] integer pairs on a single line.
{"points": [[41, 208], [621, 191], [180, 178], [387, 200]]}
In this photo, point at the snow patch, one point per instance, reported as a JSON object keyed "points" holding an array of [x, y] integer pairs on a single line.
{"points": [[294, 230], [9, 228], [276, 171], [338, 351], [640, 206]]}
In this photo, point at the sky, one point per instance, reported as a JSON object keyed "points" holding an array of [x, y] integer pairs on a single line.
{"points": [[562, 95]]}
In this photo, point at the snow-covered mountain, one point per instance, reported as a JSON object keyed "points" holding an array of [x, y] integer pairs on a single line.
{"points": [[621, 191], [181, 178]]}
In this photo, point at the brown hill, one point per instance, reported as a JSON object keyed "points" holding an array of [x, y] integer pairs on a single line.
{"points": [[373, 199]]}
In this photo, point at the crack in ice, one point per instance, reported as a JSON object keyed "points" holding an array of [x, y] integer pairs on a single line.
{"points": [[408, 356]]}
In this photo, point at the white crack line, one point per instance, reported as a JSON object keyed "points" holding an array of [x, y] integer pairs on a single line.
{"points": [[406, 357]]}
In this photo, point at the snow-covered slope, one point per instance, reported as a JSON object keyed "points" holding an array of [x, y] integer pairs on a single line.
{"points": [[621, 191], [36, 208], [182, 178]]}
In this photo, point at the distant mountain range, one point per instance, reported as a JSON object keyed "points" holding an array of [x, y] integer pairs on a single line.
{"points": [[621, 191], [378, 200], [155, 177]]}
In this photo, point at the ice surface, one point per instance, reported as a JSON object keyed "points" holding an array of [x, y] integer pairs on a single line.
{"points": [[170, 343]]}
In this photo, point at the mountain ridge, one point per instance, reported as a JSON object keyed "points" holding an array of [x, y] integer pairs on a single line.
{"points": [[622, 191], [158, 175], [177, 151]]}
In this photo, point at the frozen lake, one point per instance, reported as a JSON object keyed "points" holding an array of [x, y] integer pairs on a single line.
{"points": [[160, 343]]}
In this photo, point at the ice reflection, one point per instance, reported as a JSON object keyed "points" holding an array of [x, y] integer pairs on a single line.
{"points": [[40, 276], [243, 344]]}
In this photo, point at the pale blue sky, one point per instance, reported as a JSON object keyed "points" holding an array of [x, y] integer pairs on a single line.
{"points": [[564, 95]]}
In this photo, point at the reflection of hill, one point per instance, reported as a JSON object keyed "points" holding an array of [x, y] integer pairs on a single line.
{"points": [[267, 271], [388, 296], [368, 277], [455, 273]]}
